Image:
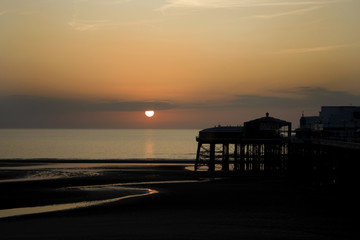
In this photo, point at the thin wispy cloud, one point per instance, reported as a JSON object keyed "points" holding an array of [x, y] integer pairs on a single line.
{"points": [[86, 25], [27, 13], [287, 13], [311, 49], [188, 5], [290, 3], [107, 2], [176, 7], [79, 23], [238, 3], [114, 2], [3, 12], [92, 25]]}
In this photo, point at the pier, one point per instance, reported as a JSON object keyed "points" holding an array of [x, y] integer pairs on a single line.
{"points": [[324, 162], [260, 145], [267, 146]]}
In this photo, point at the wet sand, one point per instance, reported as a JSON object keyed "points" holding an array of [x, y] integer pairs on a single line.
{"points": [[204, 206]]}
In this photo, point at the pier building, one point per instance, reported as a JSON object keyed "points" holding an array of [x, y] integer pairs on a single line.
{"points": [[259, 144]]}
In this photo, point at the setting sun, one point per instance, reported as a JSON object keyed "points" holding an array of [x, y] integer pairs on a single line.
{"points": [[149, 113]]}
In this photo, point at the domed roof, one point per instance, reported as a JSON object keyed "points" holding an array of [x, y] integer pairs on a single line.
{"points": [[220, 129], [221, 134], [268, 119]]}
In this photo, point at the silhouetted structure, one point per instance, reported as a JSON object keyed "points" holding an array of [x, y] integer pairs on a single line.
{"points": [[323, 161], [262, 144], [334, 122], [267, 127], [325, 150]]}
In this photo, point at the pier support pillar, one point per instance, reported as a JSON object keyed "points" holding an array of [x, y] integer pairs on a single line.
{"points": [[197, 156], [242, 157], [236, 157], [225, 160], [212, 157]]}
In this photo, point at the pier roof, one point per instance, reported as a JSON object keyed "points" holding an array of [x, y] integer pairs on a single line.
{"points": [[266, 127], [221, 134], [267, 119], [219, 129]]}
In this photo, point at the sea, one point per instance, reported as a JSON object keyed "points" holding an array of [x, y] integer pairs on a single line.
{"points": [[177, 144]]}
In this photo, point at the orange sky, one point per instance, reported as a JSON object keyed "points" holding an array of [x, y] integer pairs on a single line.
{"points": [[214, 62]]}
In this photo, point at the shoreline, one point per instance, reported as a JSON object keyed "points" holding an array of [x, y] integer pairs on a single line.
{"points": [[42, 169], [17, 178], [84, 160], [228, 207]]}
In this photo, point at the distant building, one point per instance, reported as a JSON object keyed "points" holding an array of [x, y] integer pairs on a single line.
{"points": [[312, 122], [338, 122], [342, 122]]}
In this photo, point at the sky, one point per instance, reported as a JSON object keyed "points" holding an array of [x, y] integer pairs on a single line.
{"points": [[197, 63]]}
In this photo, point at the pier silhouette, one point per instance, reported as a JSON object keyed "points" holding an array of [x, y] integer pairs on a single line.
{"points": [[323, 151]]}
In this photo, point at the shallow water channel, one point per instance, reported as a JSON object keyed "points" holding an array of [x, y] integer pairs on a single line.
{"points": [[131, 192]]}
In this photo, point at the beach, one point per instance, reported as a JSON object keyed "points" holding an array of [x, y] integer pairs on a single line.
{"points": [[165, 200]]}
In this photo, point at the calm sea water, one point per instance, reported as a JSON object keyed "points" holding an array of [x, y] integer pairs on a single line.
{"points": [[98, 144]]}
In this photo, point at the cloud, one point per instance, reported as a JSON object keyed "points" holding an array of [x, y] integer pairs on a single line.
{"points": [[23, 105], [34, 111], [20, 111], [86, 25], [212, 4], [107, 2], [200, 4], [287, 13], [260, 3], [80, 24], [93, 25], [301, 97], [114, 2], [3, 12], [310, 50], [293, 98]]}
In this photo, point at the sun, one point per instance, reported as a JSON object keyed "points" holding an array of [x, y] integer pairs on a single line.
{"points": [[149, 113]]}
